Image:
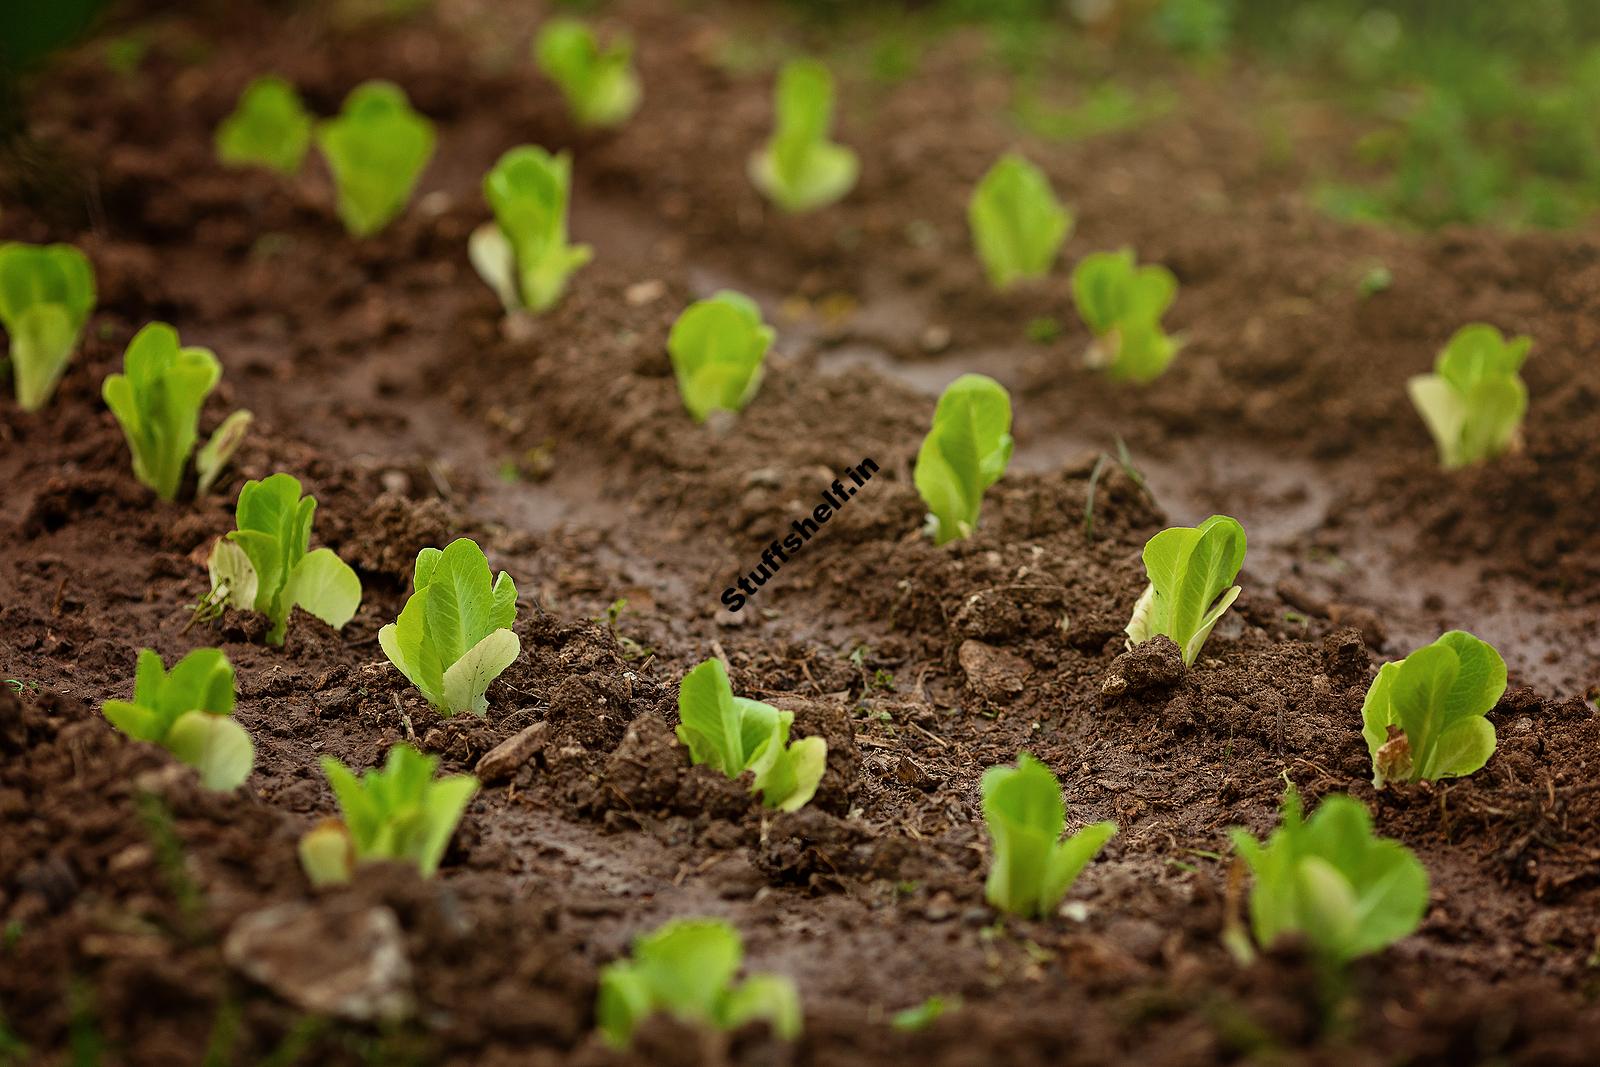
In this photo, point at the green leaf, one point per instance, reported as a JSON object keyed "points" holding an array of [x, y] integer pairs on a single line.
{"points": [[734, 735], [1017, 223], [1032, 868], [600, 85], [1474, 402], [528, 191], [770, 997], [1191, 572], [157, 400], [46, 294], [1122, 305], [468, 678], [187, 711], [1437, 697], [213, 457], [270, 127], [717, 347], [324, 585], [214, 745], [401, 812], [376, 148], [326, 854], [966, 451], [799, 169]]}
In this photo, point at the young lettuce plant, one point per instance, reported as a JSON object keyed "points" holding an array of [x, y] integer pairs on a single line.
{"points": [[376, 148], [1424, 715], [46, 294], [734, 735], [799, 168], [265, 565], [400, 813], [269, 128], [1122, 305], [523, 254], [1474, 400], [717, 348], [600, 84], [1330, 879], [188, 711], [1033, 866], [965, 452], [686, 969], [1191, 571], [1017, 223], [157, 400], [454, 635]]}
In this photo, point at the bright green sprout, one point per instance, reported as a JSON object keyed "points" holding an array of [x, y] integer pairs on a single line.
{"points": [[1424, 715], [269, 128], [188, 712], [1122, 305], [264, 565], [1330, 879], [965, 452], [1017, 223], [1474, 400], [921, 1016], [157, 400], [717, 348], [524, 254], [686, 969], [734, 735], [1191, 571], [1033, 866], [600, 84], [46, 294], [799, 168], [376, 148], [400, 813], [454, 635]]}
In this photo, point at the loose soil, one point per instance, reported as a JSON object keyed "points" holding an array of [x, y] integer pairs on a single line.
{"points": [[384, 376]]}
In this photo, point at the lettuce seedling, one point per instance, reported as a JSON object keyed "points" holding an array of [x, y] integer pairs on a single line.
{"points": [[524, 254], [600, 84], [965, 452], [264, 565], [158, 398], [735, 735], [270, 128], [1474, 400], [454, 635], [46, 294], [1033, 866], [799, 168], [376, 148], [1424, 715], [1191, 571], [717, 348], [1122, 305], [1347, 891], [400, 813], [686, 969], [1017, 223], [188, 711]]}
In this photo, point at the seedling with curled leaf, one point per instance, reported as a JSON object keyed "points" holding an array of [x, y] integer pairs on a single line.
{"points": [[734, 735], [376, 148], [600, 84], [46, 294], [1033, 866], [454, 635], [157, 400], [265, 565], [1475, 399], [1191, 572], [188, 711], [1017, 223], [1331, 880], [1423, 718], [799, 169], [398, 813], [966, 451], [717, 348], [1122, 305], [523, 254], [686, 969], [270, 128]]}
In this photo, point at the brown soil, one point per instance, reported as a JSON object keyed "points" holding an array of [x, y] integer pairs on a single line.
{"points": [[383, 376]]}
